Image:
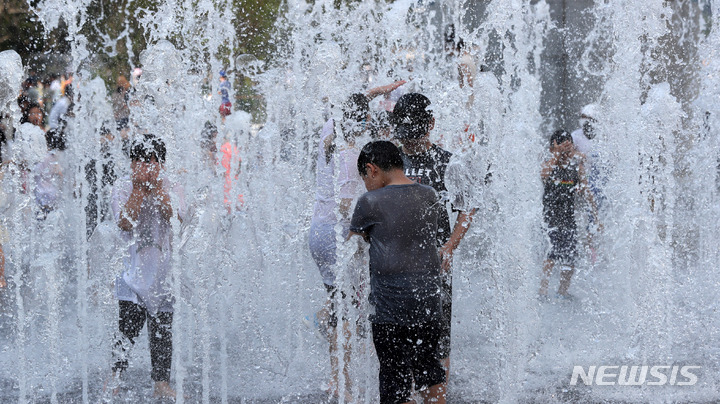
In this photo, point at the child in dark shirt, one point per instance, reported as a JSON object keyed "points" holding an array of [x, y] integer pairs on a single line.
{"points": [[398, 217], [563, 179], [426, 163]]}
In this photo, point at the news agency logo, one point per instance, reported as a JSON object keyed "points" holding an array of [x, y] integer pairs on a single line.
{"points": [[635, 375]]}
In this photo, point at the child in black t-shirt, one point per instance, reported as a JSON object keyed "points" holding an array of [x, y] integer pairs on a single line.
{"points": [[426, 163], [398, 217], [563, 179]]}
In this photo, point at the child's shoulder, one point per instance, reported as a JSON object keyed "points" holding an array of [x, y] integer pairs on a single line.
{"points": [[407, 189], [425, 190]]}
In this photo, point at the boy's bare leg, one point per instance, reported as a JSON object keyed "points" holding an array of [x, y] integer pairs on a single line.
{"points": [[112, 381], [334, 359], [347, 353], [565, 277], [163, 389], [3, 283], [334, 363], [434, 394], [446, 365], [346, 369], [545, 280]]}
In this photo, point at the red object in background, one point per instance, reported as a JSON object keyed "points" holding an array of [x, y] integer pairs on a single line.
{"points": [[470, 136], [226, 109], [230, 158]]}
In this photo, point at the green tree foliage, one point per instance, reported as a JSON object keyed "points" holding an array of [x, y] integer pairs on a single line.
{"points": [[18, 30], [116, 37], [21, 31], [255, 21]]}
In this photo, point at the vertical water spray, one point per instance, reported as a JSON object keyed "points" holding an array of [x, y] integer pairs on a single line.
{"points": [[243, 277], [11, 64]]}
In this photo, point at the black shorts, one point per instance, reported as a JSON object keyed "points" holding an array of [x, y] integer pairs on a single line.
{"points": [[563, 243], [444, 347], [406, 354]]}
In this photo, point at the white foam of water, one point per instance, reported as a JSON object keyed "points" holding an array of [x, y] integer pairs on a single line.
{"points": [[244, 281]]}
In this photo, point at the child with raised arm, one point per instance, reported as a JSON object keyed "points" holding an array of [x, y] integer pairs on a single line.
{"points": [[398, 217]]}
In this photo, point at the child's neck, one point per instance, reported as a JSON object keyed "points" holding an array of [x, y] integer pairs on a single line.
{"points": [[416, 147], [397, 177]]}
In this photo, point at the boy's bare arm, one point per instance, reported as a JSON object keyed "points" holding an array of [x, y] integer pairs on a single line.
{"points": [[586, 193], [374, 92], [363, 235], [130, 212], [547, 168], [462, 224], [584, 185], [344, 207], [162, 199]]}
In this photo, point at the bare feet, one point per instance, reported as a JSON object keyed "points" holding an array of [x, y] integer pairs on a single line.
{"points": [[333, 393], [543, 292], [3, 283], [163, 390], [112, 384]]}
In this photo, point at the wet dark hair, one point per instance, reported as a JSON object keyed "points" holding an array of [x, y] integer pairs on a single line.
{"points": [[355, 110], [411, 116], [55, 139], [460, 46], [382, 153], [380, 121], [147, 147], [559, 136], [209, 130], [32, 105]]}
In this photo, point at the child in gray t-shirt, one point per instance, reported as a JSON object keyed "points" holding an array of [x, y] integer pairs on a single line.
{"points": [[398, 217]]}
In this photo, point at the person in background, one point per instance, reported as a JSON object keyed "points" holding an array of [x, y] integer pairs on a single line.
{"points": [[336, 178], [230, 161], [48, 175], [583, 140], [564, 179], [225, 87], [208, 143], [97, 208], [61, 110], [467, 68], [35, 115], [121, 109], [51, 92]]}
